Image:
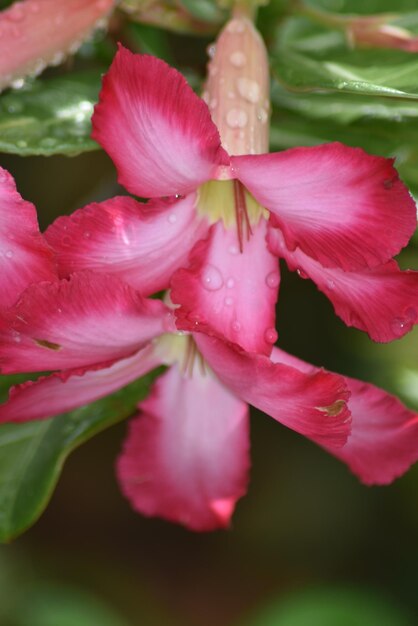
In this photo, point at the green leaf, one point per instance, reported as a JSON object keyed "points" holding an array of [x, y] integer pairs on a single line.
{"points": [[344, 108], [311, 58], [32, 454], [50, 116], [333, 607]]}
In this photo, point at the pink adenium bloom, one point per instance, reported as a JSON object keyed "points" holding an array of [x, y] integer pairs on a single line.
{"points": [[222, 209], [186, 457], [37, 33]]}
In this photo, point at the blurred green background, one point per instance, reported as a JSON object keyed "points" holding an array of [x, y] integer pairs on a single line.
{"points": [[309, 545]]}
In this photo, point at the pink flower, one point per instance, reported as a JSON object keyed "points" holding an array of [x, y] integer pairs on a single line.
{"points": [[335, 213], [186, 457], [37, 33]]}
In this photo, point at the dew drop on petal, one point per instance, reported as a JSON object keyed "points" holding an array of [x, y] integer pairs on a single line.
{"points": [[330, 284], [248, 89], [16, 336], [172, 218], [9, 254], [211, 49], [230, 283], [236, 118], [233, 250], [271, 335], [238, 59], [211, 278], [262, 115], [273, 280], [87, 234], [402, 325], [301, 273], [236, 326], [229, 301], [213, 103]]}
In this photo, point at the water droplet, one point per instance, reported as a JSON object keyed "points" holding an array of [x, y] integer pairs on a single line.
{"points": [[238, 59], [248, 89], [213, 103], [262, 115], [211, 50], [388, 183], [22, 143], [9, 254], [236, 326], [330, 284], [273, 280], [18, 83], [172, 218], [230, 283], [229, 301], [301, 273], [48, 142], [14, 106], [271, 335], [401, 325], [168, 322], [16, 336], [233, 250], [235, 26], [205, 97], [87, 234], [57, 58], [236, 118], [211, 278], [213, 70]]}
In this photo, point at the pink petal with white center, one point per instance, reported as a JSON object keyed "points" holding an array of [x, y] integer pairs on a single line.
{"points": [[186, 458], [384, 436], [340, 205], [37, 33], [313, 404], [228, 293], [143, 244], [24, 255], [383, 301], [86, 320], [158, 132], [59, 393]]}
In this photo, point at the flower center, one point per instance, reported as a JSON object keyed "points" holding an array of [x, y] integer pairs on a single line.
{"points": [[229, 201], [180, 348]]}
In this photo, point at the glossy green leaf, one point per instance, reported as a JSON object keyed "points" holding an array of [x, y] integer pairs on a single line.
{"points": [[310, 58], [50, 116], [333, 607], [344, 108], [32, 454]]}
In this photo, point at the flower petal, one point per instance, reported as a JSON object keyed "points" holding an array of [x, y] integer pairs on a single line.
{"points": [[157, 131], [312, 404], [37, 33], [59, 393], [383, 301], [24, 256], [86, 320], [227, 293], [143, 244], [384, 437], [341, 206], [186, 458]]}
